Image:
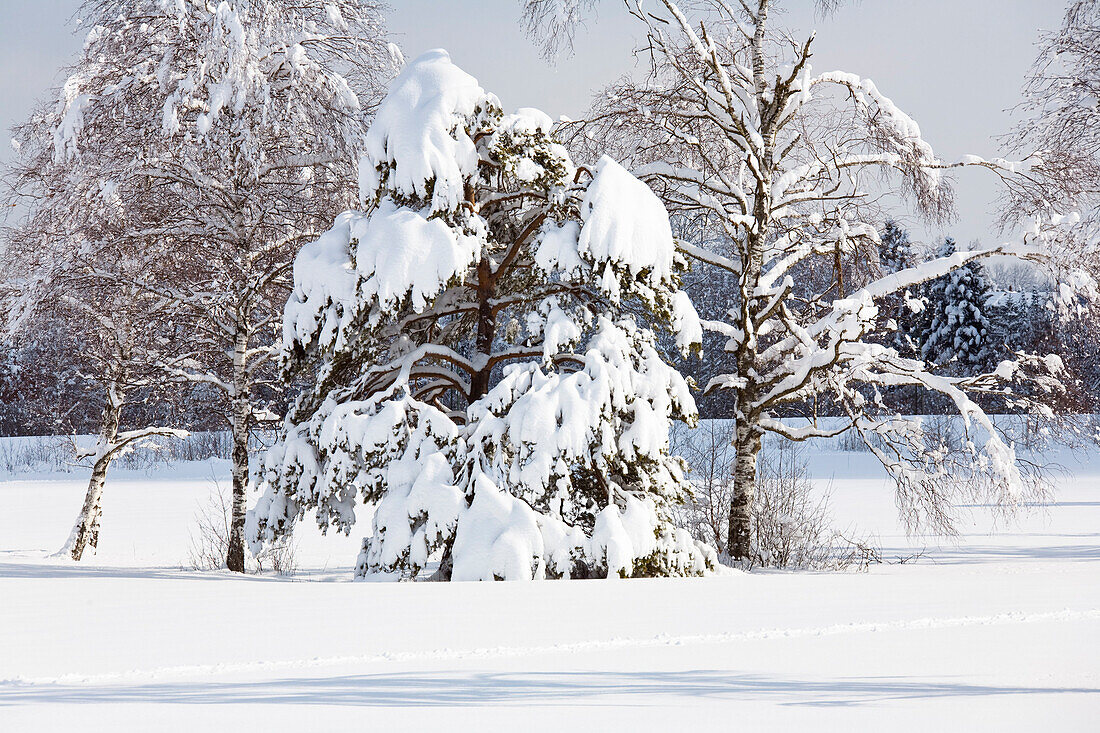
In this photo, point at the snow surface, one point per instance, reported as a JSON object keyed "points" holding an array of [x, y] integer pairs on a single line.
{"points": [[997, 632]]}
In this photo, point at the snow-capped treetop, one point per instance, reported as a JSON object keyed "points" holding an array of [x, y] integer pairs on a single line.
{"points": [[241, 64], [370, 263], [229, 126], [420, 143]]}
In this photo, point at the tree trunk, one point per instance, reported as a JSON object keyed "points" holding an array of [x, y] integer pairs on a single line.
{"points": [[748, 436], [479, 380], [85, 532], [486, 330], [758, 58], [747, 444], [241, 418]]}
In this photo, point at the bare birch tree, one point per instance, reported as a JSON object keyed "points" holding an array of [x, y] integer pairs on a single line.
{"points": [[1061, 130], [242, 121], [69, 258], [125, 361], [1060, 135], [734, 130]]}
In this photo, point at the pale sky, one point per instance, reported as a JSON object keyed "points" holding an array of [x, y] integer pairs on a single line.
{"points": [[956, 66]]}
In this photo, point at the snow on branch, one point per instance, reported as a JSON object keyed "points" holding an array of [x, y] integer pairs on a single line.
{"points": [[420, 138]]}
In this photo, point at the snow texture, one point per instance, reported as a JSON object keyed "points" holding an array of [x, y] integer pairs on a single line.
{"points": [[418, 140]]}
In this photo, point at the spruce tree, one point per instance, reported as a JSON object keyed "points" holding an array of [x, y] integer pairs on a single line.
{"points": [[895, 251], [905, 309], [958, 330]]}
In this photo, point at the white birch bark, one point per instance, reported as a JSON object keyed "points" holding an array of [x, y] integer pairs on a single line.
{"points": [[241, 416], [85, 532]]}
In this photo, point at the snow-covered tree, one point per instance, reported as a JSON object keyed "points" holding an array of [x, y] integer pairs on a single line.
{"points": [[905, 312], [70, 222], [231, 128], [734, 129], [477, 373], [1060, 134], [124, 335], [958, 330], [895, 249], [1061, 129], [1022, 320]]}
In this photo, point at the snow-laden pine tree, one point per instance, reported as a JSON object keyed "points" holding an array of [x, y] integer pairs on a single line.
{"points": [[232, 128], [958, 331], [735, 129], [1022, 320], [479, 387]]}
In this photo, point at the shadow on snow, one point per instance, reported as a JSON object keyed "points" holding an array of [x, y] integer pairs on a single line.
{"points": [[546, 688]]}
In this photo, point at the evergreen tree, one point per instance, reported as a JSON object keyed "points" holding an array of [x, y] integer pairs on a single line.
{"points": [[905, 309], [895, 250], [958, 329], [476, 370], [1021, 320]]}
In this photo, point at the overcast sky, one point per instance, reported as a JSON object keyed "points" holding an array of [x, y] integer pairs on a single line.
{"points": [[956, 66]]}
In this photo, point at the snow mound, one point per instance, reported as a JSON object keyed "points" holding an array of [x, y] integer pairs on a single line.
{"points": [[372, 261], [324, 287]]}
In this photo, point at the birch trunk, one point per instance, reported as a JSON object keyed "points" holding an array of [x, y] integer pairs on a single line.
{"points": [[241, 417], [747, 444], [749, 437], [85, 532]]}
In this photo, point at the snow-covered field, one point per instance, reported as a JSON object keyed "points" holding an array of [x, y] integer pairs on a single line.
{"points": [[998, 632]]}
